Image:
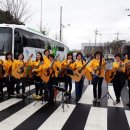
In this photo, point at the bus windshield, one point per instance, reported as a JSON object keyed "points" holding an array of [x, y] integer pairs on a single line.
{"points": [[5, 40]]}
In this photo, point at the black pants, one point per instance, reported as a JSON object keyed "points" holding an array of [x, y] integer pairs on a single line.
{"points": [[118, 84], [98, 87], [38, 85], [10, 85], [53, 81], [129, 88], [68, 82], [20, 84], [1, 87], [79, 88]]}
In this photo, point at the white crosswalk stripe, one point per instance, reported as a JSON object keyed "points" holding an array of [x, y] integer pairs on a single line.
{"points": [[87, 97], [9, 103], [57, 119], [110, 102], [97, 117], [17, 118], [128, 116]]}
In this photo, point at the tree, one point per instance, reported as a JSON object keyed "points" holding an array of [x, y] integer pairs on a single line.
{"points": [[6, 17], [114, 46], [45, 30], [18, 9]]}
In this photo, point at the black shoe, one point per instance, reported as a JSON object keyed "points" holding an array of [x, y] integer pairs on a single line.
{"points": [[128, 104], [12, 94], [116, 102], [1, 97], [51, 102], [24, 96], [94, 100], [77, 99], [9, 96]]}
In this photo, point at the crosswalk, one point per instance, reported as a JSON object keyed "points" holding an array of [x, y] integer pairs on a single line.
{"points": [[94, 122], [19, 114]]}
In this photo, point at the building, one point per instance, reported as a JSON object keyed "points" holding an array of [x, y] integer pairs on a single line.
{"points": [[89, 48]]}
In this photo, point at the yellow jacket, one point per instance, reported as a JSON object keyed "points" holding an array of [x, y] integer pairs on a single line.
{"points": [[7, 65], [16, 63], [56, 67], [94, 64], [1, 62], [116, 65], [45, 59], [65, 63], [35, 64], [78, 64], [126, 61]]}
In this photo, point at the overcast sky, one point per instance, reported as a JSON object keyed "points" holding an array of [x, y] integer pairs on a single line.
{"points": [[84, 16]]}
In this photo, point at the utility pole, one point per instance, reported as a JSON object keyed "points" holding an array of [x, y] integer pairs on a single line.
{"points": [[117, 36], [96, 32], [61, 26], [41, 18], [117, 39]]}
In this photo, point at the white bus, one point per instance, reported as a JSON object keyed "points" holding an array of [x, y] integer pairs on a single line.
{"points": [[21, 39]]}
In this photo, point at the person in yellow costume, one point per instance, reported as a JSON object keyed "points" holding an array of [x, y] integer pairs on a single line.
{"points": [[65, 65], [53, 81], [8, 74], [1, 79], [97, 76], [79, 63], [16, 63], [36, 64], [46, 54], [127, 62], [119, 78]]}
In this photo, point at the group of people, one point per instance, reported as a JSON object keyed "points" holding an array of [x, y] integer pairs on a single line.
{"points": [[49, 66]]}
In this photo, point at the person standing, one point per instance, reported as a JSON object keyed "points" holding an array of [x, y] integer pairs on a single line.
{"points": [[119, 78], [15, 65], [127, 60], [1, 79], [66, 64], [36, 64], [98, 75], [79, 63], [8, 74], [52, 67], [46, 54]]}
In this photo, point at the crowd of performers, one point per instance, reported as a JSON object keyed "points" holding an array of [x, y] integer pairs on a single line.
{"points": [[46, 71]]}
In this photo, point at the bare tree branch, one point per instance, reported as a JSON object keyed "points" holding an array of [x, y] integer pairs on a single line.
{"points": [[19, 9]]}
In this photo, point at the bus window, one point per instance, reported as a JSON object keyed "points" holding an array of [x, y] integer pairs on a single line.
{"points": [[60, 47], [32, 40], [18, 45], [5, 40]]}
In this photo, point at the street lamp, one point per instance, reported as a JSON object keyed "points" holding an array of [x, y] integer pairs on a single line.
{"points": [[100, 41], [96, 32], [61, 31], [65, 47], [128, 10], [61, 25], [65, 25]]}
